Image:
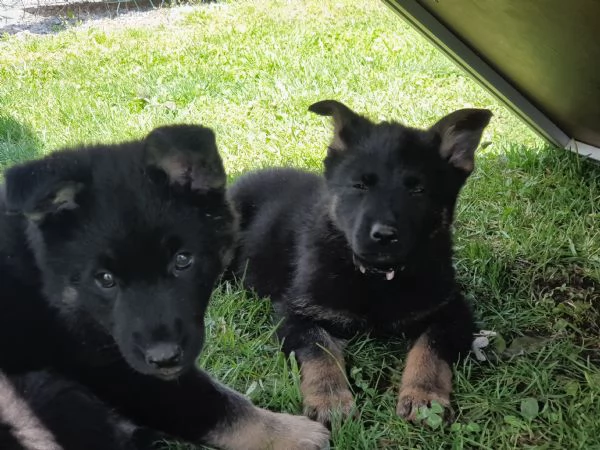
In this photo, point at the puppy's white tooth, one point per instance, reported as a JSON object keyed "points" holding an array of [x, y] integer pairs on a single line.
{"points": [[390, 275], [362, 269]]}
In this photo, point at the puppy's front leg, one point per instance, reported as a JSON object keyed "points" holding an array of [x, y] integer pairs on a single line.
{"points": [[427, 376], [323, 384], [197, 409], [247, 427]]}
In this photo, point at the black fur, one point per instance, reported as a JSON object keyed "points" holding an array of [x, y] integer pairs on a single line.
{"points": [[384, 206], [108, 256], [70, 413]]}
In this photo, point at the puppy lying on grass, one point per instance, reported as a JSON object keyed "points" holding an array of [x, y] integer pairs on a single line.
{"points": [[108, 256], [366, 247]]}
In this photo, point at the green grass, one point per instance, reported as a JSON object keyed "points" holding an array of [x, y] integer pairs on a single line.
{"points": [[528, 225]]}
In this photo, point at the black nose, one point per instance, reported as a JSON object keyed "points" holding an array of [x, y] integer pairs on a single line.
{"points": [[384, 234], [164, 355]]}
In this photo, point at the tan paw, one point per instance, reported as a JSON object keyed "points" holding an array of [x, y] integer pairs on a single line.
{"points": [[411, 399], [260, 429], [426, 378], [324, 386], [329, 405], [295, 433]]}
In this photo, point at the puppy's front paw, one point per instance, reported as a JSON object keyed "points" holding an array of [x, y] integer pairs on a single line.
{"points": [[329, 403], [260, 429], [411, 399], [426, 378], [324, 387], [295, 433]]}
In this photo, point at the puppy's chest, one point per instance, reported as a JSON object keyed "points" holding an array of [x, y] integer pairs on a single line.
{"points": [[361, 303]]}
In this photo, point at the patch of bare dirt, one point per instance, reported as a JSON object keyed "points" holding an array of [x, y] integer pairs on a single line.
{"points": [[577, 297], [52, 16], [568, 284]]}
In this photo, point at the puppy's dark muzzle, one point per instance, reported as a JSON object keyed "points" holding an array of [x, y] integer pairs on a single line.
{"points": [[383, 235], [379, 252], [165, 358]]}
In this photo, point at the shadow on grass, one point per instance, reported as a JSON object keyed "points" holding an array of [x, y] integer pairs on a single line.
{"points": [[17, 142], [526, 232]]}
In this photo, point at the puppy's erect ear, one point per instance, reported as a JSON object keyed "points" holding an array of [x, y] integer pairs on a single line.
{"points": [[348, 126], [460, 133], [188, 155], [48, 186]]}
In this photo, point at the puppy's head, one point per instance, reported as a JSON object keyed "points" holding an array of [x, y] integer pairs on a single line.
{"points": [[393, 187], [131, 238]]}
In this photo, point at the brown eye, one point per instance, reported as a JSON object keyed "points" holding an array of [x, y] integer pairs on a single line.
{"points": [[367, 181], [183, 261], [105, 280]]}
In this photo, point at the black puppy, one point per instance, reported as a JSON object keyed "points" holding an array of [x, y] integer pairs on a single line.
{"points": [[108, 256], [366, 248]]}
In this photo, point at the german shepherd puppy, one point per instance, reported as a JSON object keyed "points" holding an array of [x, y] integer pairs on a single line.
{"points": [[108, 256], [367, 247]]}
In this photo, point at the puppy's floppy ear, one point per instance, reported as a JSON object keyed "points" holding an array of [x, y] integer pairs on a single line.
{"points": [[348, 126], [188, 155], [460, 133], [48, 186]]}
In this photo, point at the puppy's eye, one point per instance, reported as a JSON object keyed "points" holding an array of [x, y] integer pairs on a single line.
{"points": [[414, 185], [183, 261], [105, 280], [367, 180]]}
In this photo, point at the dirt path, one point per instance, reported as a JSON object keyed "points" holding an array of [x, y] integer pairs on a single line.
{"points": [[51, 16]]}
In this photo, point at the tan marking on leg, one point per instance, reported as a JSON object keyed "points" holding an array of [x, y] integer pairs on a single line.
{"points": [[259, 429], [324, 385], [426, 378], [26, 428]]}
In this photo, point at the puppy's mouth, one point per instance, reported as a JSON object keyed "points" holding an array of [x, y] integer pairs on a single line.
{"points": [[380, 267], [169, 374]]}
